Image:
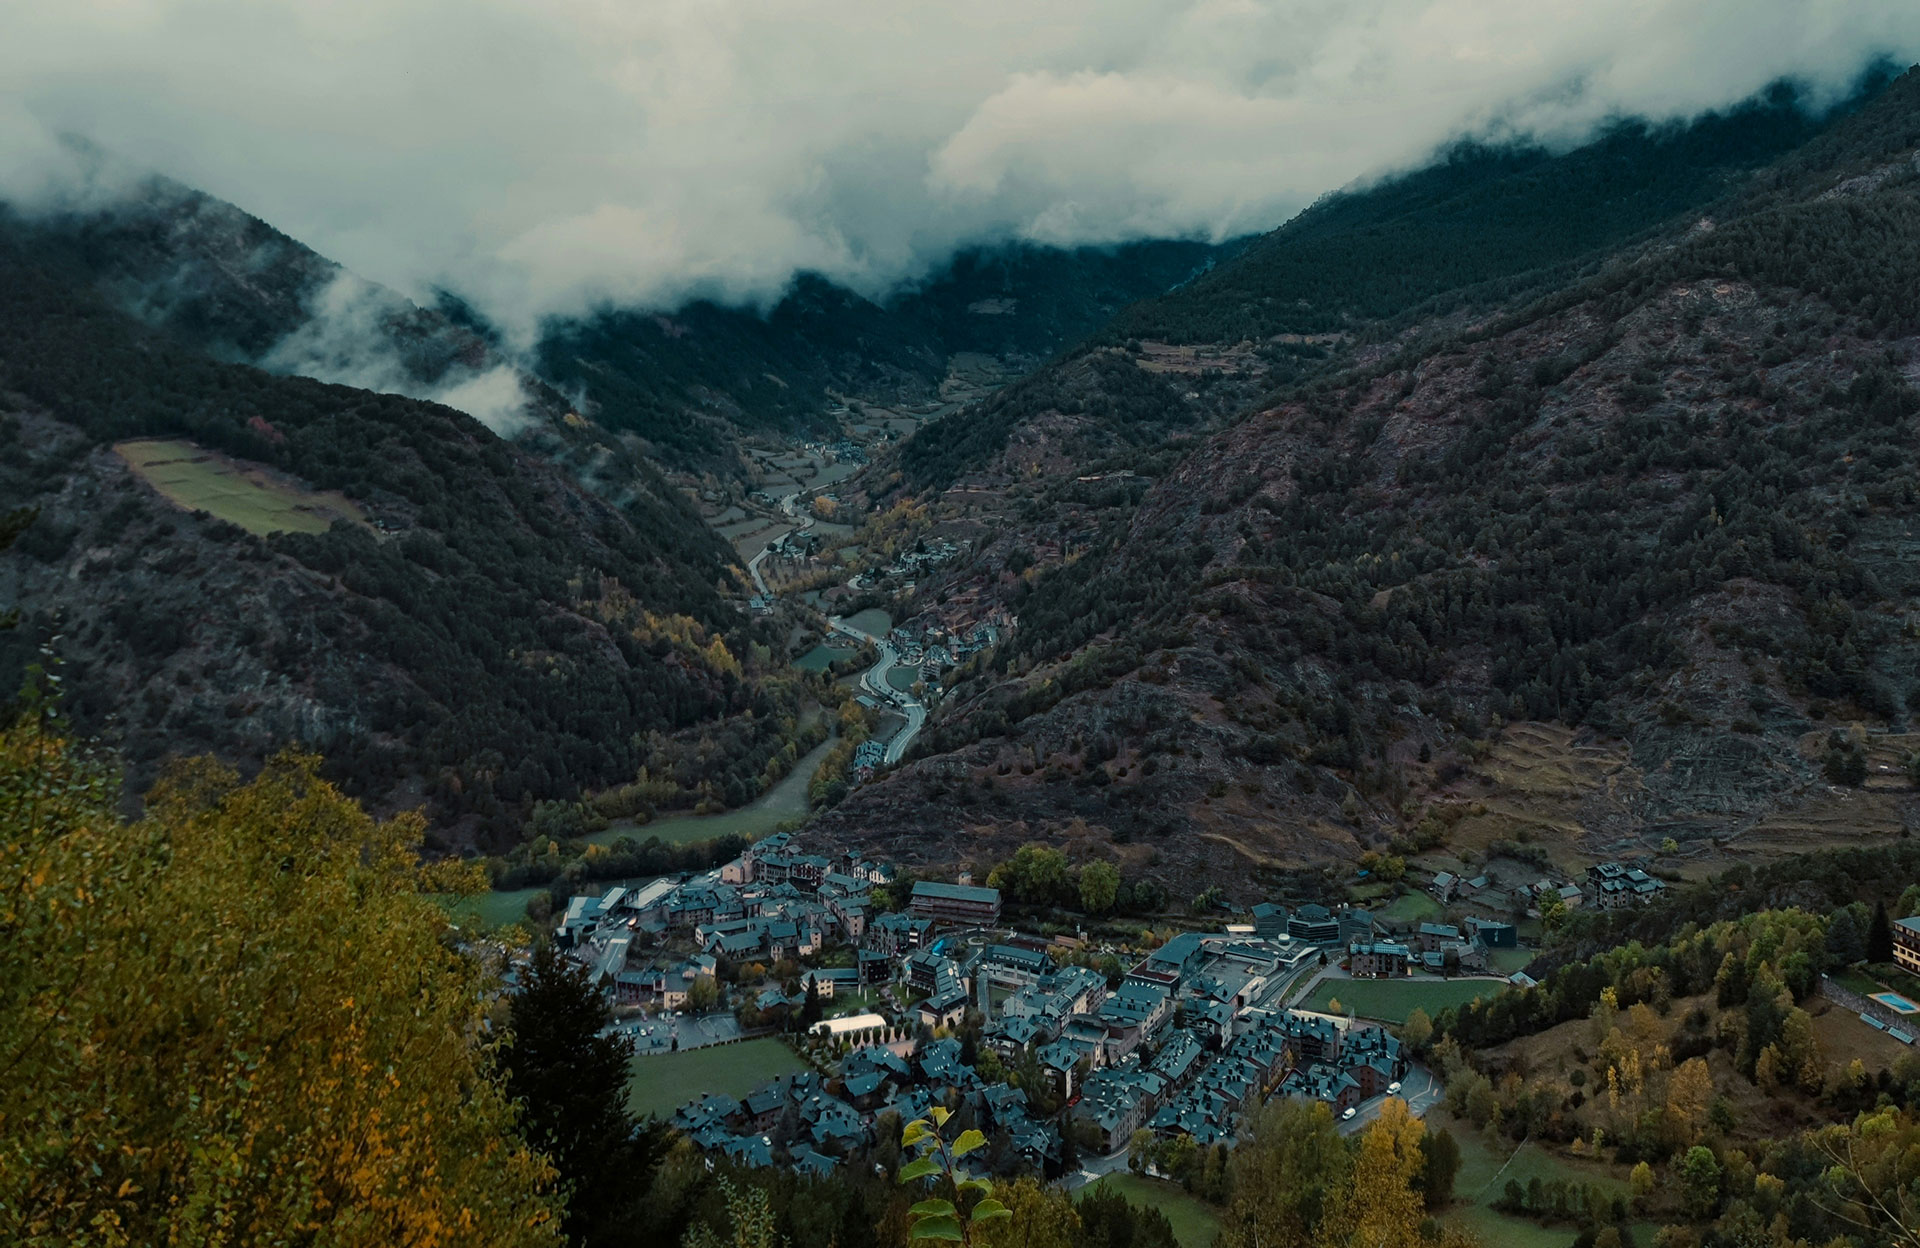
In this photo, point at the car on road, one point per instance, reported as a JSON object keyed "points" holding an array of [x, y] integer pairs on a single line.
{"points": [[1350, 1112], [1393, 1089]]}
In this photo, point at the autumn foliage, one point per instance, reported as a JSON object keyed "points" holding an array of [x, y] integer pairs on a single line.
{"points": [[235, 1021]]}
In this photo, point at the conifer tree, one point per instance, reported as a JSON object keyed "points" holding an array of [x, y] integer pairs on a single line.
{"points": [[570, 1078], [1880, 935]]}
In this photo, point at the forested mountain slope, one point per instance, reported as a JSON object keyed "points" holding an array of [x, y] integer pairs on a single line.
{"points": [[691, 380], [1668, 505], [1480, 228], [688, 382], [474, 627]]}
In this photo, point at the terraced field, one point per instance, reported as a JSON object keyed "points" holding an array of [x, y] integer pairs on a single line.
{"points": [[251, 496]]}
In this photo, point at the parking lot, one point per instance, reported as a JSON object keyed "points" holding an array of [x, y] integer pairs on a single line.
{"points": [[658, 1034]]}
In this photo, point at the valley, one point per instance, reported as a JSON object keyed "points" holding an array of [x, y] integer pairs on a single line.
{"points": [[1402, 728]]}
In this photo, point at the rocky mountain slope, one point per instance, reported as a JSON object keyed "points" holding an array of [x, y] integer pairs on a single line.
{"points": [[1655, 507]]}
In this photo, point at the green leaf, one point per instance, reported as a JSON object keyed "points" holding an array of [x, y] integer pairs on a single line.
{"points": [[940, 1115], [989, 1210], [983, 1186], [919, 1168], [932, 1208], [915, 1132], [968, 1141], [937, 1228]]}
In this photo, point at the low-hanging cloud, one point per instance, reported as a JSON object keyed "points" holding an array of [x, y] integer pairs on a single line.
{"points": [[353, 337], [542, 158]]}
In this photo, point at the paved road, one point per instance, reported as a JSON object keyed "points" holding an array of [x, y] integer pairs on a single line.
{"points": [[874, 681], [1419, 1090], [788, 506], [1093, 1169]]}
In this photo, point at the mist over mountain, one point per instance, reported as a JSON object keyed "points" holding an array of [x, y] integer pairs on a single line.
{"points": [[555, 159]]}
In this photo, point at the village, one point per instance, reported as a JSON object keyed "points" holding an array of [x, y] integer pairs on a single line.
{"points": [[888, 996]]}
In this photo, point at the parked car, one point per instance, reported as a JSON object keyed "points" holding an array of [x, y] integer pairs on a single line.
{"points": [[1393, 1089], [1350, 1112]]}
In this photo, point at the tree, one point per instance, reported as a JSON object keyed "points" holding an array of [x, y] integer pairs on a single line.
{"points": [[1441, 1167], [1700, 1175], [1689, 1090], [1288, 1173], [1099, 885], [1846, 940], [1910, 896], [750, 1219], [703, 994], [1553, 913], [1109, 1220], [12, 525], [1417, 1031], [1384, 1206], [1880, 935], [1038, 1217], [1640, 1183], [571, 1082], [1139, 1150], [1036, 874], [300, 1049]]}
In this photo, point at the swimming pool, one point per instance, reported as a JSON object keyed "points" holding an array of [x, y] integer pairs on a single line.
{"points": [[1897, 1003]]}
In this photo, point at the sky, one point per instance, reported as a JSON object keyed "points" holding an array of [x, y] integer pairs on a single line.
{"points": [[546, 158]]}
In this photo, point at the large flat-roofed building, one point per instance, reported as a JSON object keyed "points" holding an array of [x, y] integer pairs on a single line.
{"points": [[956, 903]]}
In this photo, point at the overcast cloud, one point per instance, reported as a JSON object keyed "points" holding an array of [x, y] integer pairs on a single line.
{"points": [[542, 157]]}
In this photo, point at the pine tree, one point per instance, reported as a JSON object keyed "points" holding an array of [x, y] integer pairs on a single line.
{"points": [[571, 1081], [1880, 935]]}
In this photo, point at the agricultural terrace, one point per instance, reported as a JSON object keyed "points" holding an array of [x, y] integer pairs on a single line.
{"points": [[251, 496]]}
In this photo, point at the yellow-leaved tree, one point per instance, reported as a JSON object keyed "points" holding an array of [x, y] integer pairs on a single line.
{"points": [[237, 1021]]}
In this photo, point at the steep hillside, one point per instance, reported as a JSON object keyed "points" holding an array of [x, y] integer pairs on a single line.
{"points": [[1481, 228], [459, 621], [216, 277], [1668, 505]]}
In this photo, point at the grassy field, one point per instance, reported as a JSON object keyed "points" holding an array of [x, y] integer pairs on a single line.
{"points": [[820, 658], [1475, 1187], [1507, 961], [872, 621], [1410, 908], [1195, 1222], [659, 1085], [487, 910], [1391, 1000], [247, 495], [847, 1004], [902, 678]]}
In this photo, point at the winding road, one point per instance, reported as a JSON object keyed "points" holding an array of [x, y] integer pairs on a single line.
{"points": [[874, 679]]}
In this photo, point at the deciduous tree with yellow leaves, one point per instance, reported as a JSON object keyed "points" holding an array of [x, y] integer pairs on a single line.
{"points": [[237, 1021]]}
